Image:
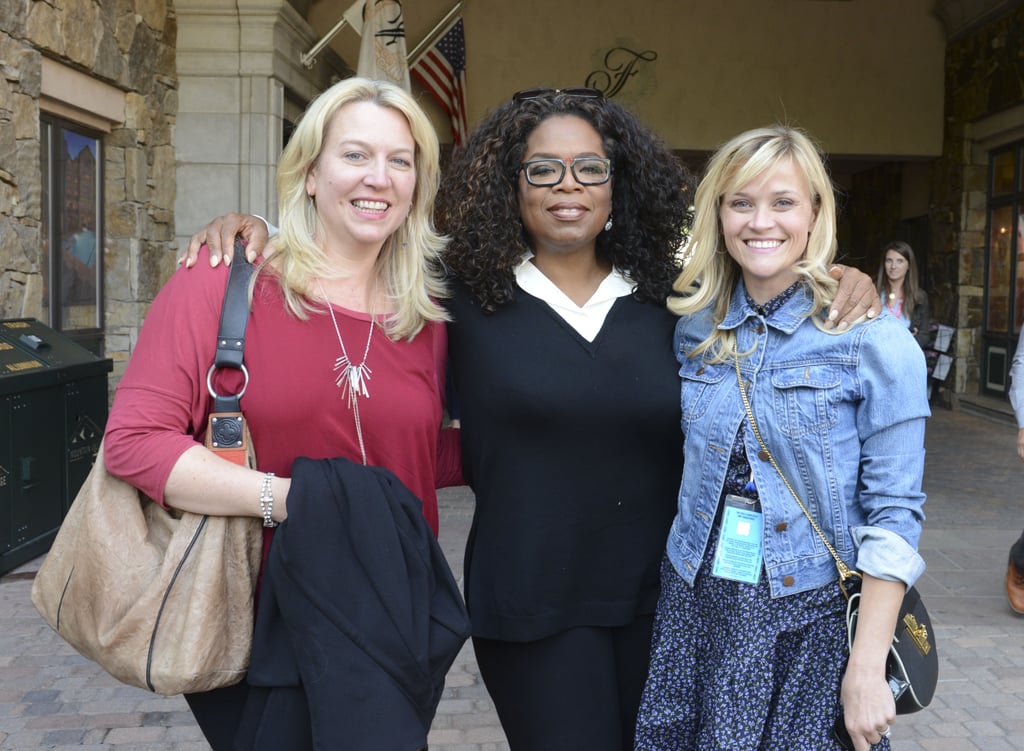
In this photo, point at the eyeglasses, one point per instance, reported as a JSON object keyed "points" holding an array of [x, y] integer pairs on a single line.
{"points": [[588, 170], [582, 92]]}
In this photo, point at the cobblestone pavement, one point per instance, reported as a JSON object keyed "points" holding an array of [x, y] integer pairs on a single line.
{"points": [[50, 698]]}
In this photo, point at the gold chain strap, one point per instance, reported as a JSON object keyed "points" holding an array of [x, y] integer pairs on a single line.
{"points": [[844, 570]]}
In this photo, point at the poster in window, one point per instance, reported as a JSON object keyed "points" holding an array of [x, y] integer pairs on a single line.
{"points": [[79, 249]]}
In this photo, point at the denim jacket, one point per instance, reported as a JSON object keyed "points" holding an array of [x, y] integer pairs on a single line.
{"points": [[843, 414]]}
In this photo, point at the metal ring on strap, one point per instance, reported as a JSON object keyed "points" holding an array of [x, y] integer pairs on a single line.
{"points": [[214, 394]]}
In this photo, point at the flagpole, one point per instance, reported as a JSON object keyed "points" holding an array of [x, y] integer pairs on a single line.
{"points": [[309, 58], [418, 52]]}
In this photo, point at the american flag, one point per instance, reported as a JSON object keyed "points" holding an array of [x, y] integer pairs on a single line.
{"points": [[442, 71]]}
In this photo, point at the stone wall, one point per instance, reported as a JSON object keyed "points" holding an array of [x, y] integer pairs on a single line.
{"points": [[984, 71], [19, 160], [130, 45]]}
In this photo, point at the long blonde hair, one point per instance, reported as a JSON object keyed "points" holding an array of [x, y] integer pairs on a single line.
{"points": [[710, 274], [407, 266]]}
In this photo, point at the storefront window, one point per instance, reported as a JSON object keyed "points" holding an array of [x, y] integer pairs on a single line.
{"points": [[72, 230], [1000, 269], [1004, 266], [1004, 166]]}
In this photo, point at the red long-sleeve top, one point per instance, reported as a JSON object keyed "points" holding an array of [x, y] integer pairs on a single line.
{"points": [[292, 402]]}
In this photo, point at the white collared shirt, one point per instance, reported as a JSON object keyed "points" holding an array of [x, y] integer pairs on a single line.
{"points": [[586, 319]]}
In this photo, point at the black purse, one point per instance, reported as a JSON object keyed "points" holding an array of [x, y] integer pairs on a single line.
{"points": [[912, 668]]}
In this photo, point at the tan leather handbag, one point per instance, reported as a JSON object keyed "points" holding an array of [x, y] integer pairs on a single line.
{"points": [[160, 599]]}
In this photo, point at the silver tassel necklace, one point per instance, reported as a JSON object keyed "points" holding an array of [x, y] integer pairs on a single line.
{"points": [[352, 379]]}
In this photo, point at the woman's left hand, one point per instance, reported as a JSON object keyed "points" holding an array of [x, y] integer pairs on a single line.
{"points": [[868, 707], [868, 704], [855, 298]]}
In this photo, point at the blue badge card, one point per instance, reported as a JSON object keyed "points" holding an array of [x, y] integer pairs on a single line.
{"points": [[739, 554]]}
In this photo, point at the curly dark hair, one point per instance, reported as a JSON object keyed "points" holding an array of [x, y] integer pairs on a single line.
{"points": [[478, 205]]}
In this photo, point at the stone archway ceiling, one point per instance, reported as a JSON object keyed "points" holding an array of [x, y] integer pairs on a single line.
{"points": [[962, 16]]}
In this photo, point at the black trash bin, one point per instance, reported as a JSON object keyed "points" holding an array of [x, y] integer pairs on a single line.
{"points": [[53, 409]]}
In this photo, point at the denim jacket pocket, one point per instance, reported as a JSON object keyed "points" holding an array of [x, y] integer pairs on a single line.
{"points": [[807, 398], [698, 387]]}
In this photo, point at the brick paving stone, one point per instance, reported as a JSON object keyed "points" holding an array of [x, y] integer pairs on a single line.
{"points": [[24, 740], [949, 744], [136, 734], [185, 733], [67, 737], [68, 721]]}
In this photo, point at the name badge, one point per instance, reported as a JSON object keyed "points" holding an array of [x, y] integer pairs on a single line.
{"points": [[739, 554]]}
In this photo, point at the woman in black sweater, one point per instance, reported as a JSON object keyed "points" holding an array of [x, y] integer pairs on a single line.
{"points": [[561, 355]]}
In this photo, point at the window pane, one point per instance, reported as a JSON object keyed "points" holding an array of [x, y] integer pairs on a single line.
{"points": [[79, 251], [1003, 173], [1018, 238], [46, 135], [999, 269]]}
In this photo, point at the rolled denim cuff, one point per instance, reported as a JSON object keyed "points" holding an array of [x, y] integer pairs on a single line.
{"points": [[885, 555]]}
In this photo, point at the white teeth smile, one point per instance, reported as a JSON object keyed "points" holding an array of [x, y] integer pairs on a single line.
{"points": [[567, 212], [370, 205], [763, 244]]}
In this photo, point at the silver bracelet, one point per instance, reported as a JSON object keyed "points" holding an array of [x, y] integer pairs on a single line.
{"points": [[267, 500]]}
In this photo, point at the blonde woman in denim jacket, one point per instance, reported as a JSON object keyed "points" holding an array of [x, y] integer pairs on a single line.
{"points": [[750, 651]]}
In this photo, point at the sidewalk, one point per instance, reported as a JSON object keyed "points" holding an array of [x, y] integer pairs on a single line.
{"points": [[50, 698]]}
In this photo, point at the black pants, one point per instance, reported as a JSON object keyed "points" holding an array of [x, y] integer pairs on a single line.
{"points": [[219, 713], [242, 718], [1017, 554], [578, 690]]}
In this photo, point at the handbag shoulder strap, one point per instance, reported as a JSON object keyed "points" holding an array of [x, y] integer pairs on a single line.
{"points": [[844, 571], [234, 317]]}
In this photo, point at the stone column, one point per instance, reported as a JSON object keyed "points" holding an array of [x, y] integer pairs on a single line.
{"points": [[238, 69]]}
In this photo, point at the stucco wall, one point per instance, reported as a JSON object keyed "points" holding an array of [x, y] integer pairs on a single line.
{"points": [[865, 77]]}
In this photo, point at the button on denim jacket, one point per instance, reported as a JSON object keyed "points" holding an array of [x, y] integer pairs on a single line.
{"points": [[843, 414]]}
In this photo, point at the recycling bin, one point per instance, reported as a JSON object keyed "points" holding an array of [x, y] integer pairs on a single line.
{"points": [[53, 410]]}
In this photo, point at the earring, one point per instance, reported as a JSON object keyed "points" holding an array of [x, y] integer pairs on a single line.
{"points": [[608, 224], [309, 210]]}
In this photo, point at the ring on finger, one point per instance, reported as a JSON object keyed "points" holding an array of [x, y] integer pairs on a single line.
{"points": [[885, 732]]}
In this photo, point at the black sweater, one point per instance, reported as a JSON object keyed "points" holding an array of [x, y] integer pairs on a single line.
{"points": [[574, 452]]}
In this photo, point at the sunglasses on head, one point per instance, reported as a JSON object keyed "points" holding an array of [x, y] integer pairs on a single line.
{"points": [[582, 92]]}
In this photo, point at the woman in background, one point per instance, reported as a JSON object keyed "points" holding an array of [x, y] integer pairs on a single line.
{"points": [[899, 291]]}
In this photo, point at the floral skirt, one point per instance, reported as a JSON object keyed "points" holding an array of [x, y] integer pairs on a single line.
{"points": [[732, 669]]}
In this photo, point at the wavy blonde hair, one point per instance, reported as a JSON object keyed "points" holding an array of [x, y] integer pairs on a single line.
{"points": [[710, 274], [408, 265]]}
